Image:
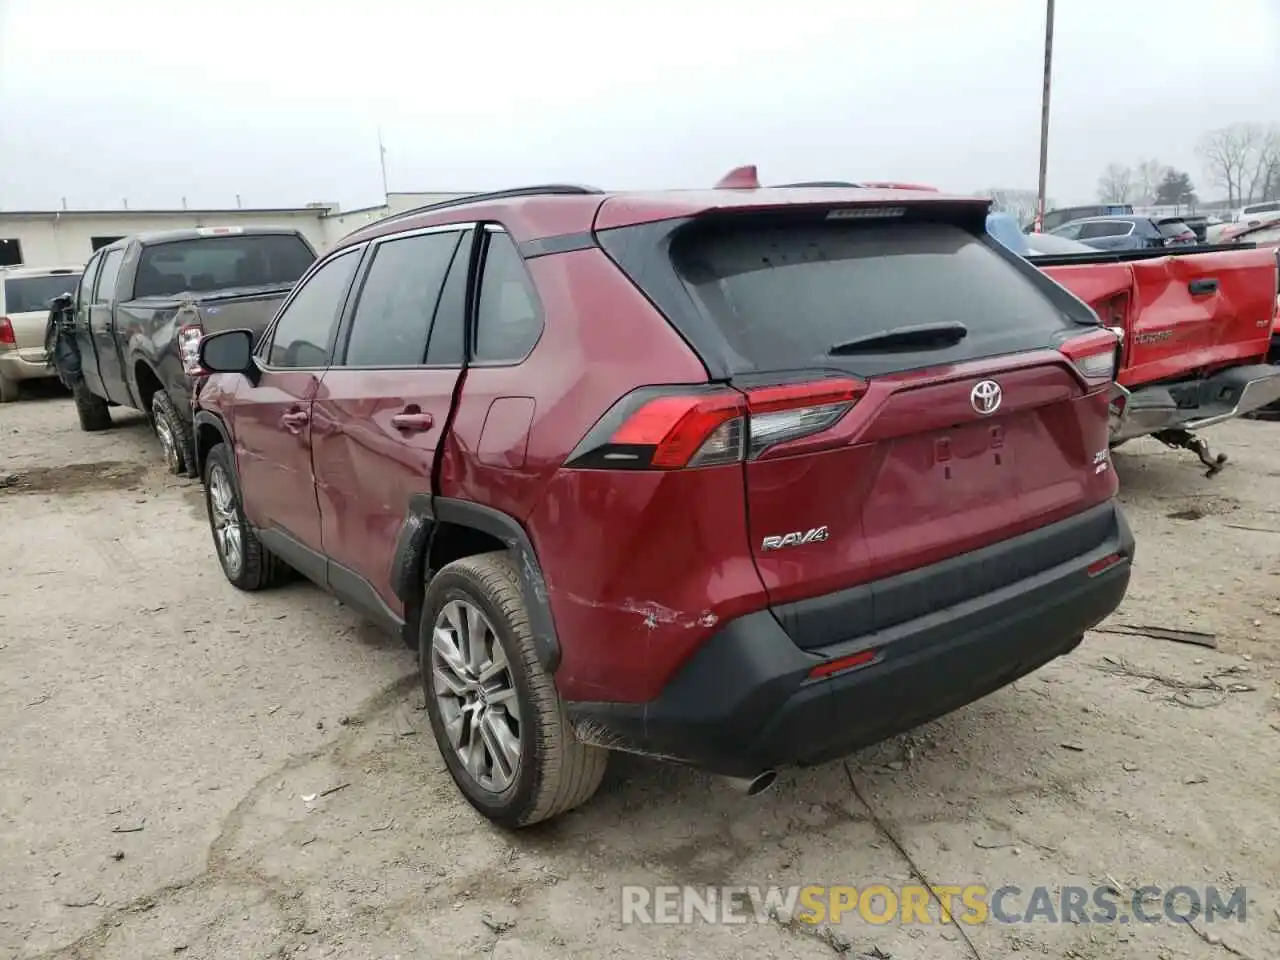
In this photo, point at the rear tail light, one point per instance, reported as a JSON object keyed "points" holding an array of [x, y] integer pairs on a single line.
{"points": [[189, 349], [6, 333], [1095, 354], [657, 429]]}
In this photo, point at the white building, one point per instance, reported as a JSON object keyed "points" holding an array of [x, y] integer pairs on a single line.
{"points": [[69, 237]]}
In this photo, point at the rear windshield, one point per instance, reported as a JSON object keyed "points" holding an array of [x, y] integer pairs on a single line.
{"points": [[1174, 228], [784, 295], [31, 294], [220, 263]]}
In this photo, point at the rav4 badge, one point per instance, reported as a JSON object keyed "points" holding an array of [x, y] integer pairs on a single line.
{"points": [[796, 539]]}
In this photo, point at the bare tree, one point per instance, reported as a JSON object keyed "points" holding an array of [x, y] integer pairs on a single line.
{"points": [[1244, 158], [1148, 177], [1116, 184], [1020, 204]]}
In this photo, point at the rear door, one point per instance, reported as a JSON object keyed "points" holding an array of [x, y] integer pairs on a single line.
{"points": [[272, 418], [941, 444], [102, 329], [383, 406], [84, 335]]}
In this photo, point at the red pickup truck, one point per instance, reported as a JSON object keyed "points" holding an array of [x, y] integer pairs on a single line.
{"points": [[1197, 325]]}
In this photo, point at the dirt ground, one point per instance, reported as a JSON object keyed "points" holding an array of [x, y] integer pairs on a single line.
{"points": [[189, 771]]}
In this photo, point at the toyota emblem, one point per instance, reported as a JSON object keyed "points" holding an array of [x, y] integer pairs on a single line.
{"points": [[985, 397]]}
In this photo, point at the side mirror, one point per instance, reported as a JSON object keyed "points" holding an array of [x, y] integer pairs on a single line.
{"points": [[229, 351]]}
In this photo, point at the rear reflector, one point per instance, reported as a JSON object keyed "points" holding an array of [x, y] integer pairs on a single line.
{"points": [[1105, 564], [841, 664], [704, 428], [6, 332]]}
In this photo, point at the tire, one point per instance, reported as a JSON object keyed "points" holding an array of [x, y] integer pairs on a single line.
{"points": [[174, 434], [254, 567], [8, 390], [92, 410], [555, 772]]}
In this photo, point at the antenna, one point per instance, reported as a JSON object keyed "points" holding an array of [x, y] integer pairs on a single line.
{"points": [[382, 161], [740, 178]]}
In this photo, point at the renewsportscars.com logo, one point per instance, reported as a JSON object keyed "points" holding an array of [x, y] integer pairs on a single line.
{"points": [[917, 904]]}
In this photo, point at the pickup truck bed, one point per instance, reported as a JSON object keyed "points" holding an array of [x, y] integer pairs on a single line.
{"points": [[145, 301], [1197, 325]]}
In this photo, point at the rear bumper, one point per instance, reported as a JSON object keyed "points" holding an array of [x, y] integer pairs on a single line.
{"points": [[1194, 405], [745, 702], [25, 365]]}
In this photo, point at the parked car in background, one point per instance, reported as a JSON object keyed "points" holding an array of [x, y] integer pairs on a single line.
{"points": [[739, 478], [1255, 213], [1200, 225], [1237, 228], [1197, 326], [1057, 217], [1128, 232], [26, 294], [145, 301]]}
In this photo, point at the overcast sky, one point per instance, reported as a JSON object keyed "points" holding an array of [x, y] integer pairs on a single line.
{"points": [[279, 101]]}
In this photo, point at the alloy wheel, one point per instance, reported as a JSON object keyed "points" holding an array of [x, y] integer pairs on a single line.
{"points": [[228, 533], [476, 695]]}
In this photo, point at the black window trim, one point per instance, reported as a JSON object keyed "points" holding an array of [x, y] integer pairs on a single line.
{"points": [[263, 349], [98, 255], [473, 299], [339, 352], [97, 280]]}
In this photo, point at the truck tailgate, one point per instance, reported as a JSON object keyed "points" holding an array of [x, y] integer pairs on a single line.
{"points": [[244, 312], [1183, 313]]}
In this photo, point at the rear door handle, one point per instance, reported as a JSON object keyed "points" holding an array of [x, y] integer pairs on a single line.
{"points": [[1199, 288], [412, 422]]}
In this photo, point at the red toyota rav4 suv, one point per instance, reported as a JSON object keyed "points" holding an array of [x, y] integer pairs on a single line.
{"points": [[738, 478]]}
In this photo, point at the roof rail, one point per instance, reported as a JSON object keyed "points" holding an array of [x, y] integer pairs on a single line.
{"points": [[819, 183], [546, 189]]}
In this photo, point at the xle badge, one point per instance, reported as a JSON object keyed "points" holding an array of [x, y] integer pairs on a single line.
{"points": [[796, 539]]}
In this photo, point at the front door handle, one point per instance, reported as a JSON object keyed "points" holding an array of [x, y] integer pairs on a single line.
{"points": [[1199, 288], [294, 420], [412, 422]]}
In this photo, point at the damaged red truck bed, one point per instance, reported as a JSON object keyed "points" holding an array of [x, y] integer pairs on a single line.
{"points": [[1197, 329]]}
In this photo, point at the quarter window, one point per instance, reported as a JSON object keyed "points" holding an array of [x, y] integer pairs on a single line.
{"points": [[508, 321], [398, 299], [305, 328]]}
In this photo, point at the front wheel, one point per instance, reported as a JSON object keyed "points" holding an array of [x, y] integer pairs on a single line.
{"points": [[495, 712], [247, 564]]}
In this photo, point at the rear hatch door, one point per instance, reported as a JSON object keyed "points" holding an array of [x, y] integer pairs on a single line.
{"points": [[949, 442]]}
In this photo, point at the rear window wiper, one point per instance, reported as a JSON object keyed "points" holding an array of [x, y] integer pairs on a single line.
{"points": [[922, 336]]}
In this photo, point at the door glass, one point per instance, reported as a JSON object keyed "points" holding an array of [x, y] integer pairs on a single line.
{"points": [[86, 282], [392, 320], [508, 321], [107, 278], [305, 328]]}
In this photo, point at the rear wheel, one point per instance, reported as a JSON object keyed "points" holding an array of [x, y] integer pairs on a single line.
{"points": [[174, 434], [497, 718], [92, 410], [8, 390], [245, 561]]}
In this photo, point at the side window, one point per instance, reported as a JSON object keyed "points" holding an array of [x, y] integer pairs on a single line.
{"points": [[1106, 228], [1070, 231], [508, 321], [398, 298], [106, 290], [85, 290], [302, 334], [448, 345]]}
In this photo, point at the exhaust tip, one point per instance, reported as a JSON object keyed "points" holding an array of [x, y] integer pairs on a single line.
{"points": [[754, 786]]}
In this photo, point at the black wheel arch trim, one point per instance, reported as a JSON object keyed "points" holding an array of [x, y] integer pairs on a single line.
{"points": [[203, 418], [413, 546]]}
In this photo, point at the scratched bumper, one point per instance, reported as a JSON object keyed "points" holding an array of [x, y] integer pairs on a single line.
{"points": [[747, 700], [1195, 404]]}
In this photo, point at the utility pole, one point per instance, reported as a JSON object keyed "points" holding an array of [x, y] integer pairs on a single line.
{"points": [[382, 160], [1044, 114]]}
